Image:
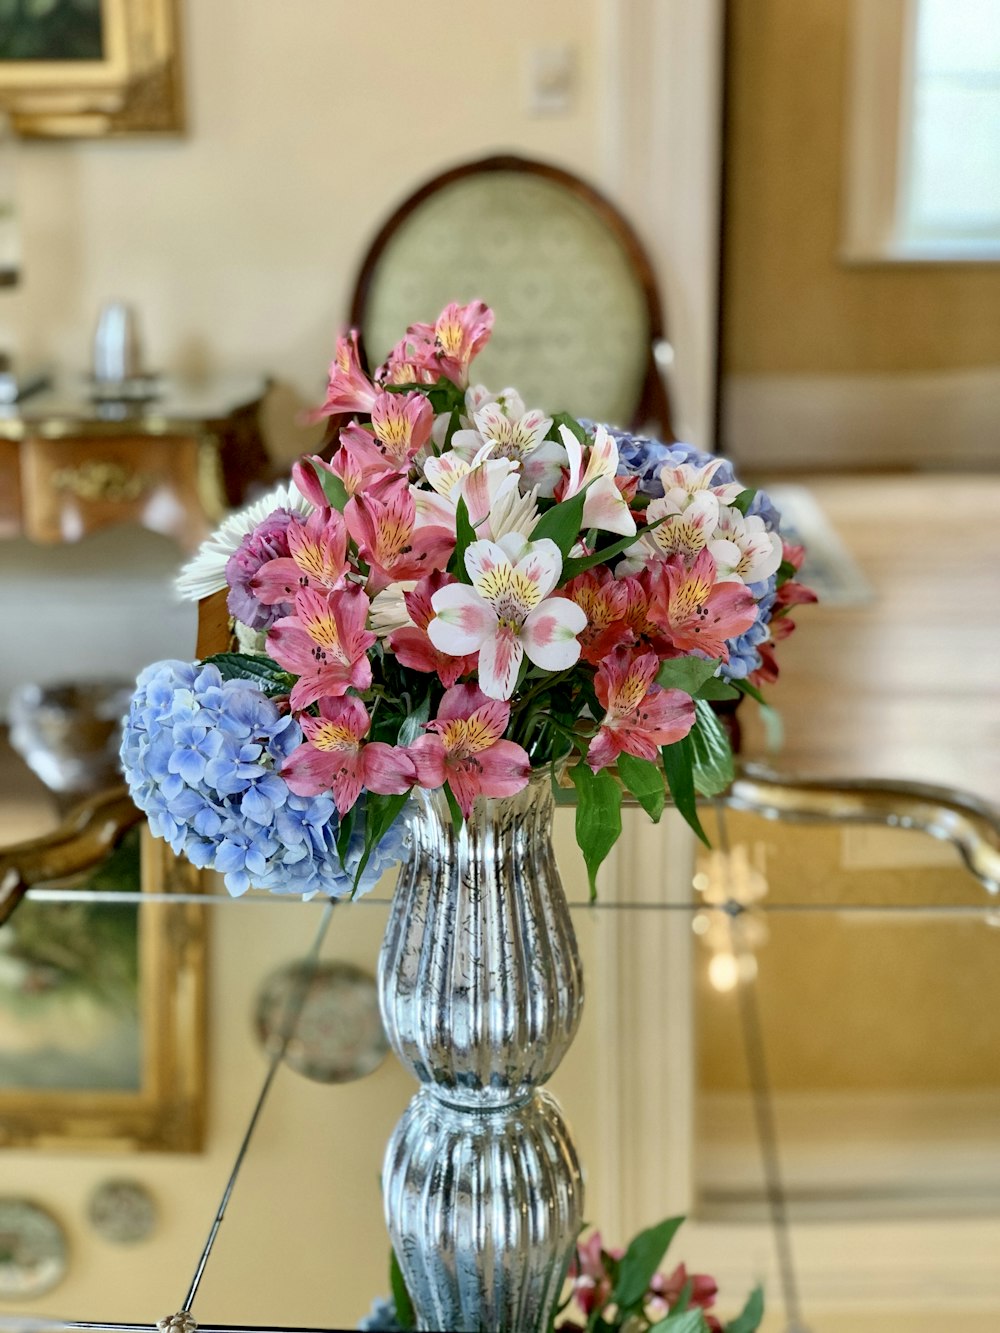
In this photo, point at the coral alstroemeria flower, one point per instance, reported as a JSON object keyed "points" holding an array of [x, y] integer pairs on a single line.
{"points": [[464, 747], [508, 613], [324, 643], [348, 389], [639, 716], [606, 602], [697, 613], [334, 756], [604, 506], [317, 558], [411, 644], [306, 473], [389, 540]]}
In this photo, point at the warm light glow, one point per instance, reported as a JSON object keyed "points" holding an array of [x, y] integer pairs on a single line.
{"points": [[724, 971]]}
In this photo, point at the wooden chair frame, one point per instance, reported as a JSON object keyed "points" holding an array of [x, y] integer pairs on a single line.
{"points": [[653, 404]]}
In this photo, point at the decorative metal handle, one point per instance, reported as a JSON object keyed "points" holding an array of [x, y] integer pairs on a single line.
{"points": [[99, 480]]}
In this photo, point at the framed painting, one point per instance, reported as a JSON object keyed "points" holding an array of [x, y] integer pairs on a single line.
{"points": [[91, 68], [102, 1012]]}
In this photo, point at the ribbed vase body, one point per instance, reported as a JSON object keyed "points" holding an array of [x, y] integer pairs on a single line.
{"points": [[480, 980], [481, 990]]}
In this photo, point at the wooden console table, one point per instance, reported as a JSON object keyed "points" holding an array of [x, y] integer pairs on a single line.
{"points": [[70, 465]]}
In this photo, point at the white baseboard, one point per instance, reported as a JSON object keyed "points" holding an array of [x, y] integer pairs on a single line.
{"points": [[820, 422]]}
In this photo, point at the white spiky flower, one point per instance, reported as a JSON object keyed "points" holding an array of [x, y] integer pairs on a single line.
{"points": [[205, 572]]}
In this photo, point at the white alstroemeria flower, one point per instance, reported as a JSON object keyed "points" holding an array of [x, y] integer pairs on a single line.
{"points": [[388, 612], [604, 506], [519, 438], [685, 526], [205, 572], [482, 484], [687, 480], [477, 396], [507, 613], [513, 513], [743, 549]]}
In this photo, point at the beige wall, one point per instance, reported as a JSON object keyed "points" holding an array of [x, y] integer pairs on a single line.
{"points": [[308, 121], [826, 362], [790, 304]]}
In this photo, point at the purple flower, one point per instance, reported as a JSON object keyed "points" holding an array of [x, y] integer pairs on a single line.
{"points": [[268, 541]]}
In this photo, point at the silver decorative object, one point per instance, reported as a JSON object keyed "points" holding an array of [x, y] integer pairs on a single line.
{"points": [[33, 1256], [122, 1211], [481, 991], [480, 980], [483, 1211]]}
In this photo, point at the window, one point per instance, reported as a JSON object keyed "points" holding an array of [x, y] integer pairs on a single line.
{"points": [[923, 168]]}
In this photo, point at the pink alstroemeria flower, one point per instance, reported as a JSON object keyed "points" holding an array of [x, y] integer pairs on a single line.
{"points": [[402, 424], [334, 756], [704, 1290], [591, 1280], [317, 558], [389, 540], [459, 334], [324, 643], [348, 389], [697, 613], [508, 613], [464, 747], [412, 644], [306, 473], [639, 716]]}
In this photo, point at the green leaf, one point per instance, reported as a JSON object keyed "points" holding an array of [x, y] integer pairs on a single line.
{"points": [[641, 1260], [405, 1314], [381, 813], [745, 687], [333, 488], [678, 764], [686, 1321], [598, 816], [562, 523], [465, 535], [453, 424], [712, 753], [752, 1315], [686, 673], [255, 668], [457, 818], [580, 563], [413, 723], [344, 831], [744, 500], [717, 689], [786, 572], [571, 424], [644, 780]]}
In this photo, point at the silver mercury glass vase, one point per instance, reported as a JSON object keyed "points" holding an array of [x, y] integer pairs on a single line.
{"points": [[481, 991]]}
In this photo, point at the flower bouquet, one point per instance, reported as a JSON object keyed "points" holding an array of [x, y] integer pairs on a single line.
{"points": [[464, 592]]}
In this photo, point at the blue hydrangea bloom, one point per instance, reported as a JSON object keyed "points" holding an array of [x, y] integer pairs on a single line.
{"points": [[202, 757], [381, 1318]]}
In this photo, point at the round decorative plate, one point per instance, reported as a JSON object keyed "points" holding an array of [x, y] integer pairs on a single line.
{"points": [[32, 1250], [338, 1035], [122, 1211]]}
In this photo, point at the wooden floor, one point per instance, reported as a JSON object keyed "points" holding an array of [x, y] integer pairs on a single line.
{"points": [[909, 685]]}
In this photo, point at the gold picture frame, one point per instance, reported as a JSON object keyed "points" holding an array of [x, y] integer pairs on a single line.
{"points": [[135, 87], [163, 1109]]}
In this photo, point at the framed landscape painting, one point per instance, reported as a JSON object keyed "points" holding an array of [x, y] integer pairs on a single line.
{"points": [[102, 1013], [90, 68]]}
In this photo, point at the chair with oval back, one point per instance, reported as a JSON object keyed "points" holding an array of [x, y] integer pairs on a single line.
{"points": [[579, 321]]}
